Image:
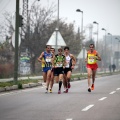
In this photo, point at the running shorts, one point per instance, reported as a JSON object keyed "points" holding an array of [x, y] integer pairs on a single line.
{"points": [[92, 66], [58, 71], [45, 69], [66, 70]]}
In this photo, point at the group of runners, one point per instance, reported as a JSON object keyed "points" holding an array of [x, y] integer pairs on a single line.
{"points": [[58, 66]]}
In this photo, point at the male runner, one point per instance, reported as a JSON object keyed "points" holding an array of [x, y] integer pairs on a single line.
{"points": [[45, 59], [52, 72], [58, 63], [91, 60], [70, 63]]}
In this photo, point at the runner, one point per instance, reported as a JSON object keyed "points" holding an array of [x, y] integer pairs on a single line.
{"points": [[70, 63], [58, 63], [45, 59], [91, 60], [52, 72]]}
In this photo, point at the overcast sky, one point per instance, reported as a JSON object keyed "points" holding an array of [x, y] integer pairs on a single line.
{"points": [[105, 12]]}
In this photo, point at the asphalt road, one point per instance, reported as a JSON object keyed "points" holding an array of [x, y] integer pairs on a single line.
{"points": [[33, 104]]}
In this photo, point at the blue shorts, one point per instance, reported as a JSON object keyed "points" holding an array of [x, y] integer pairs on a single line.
{"points": [[45, 69]]}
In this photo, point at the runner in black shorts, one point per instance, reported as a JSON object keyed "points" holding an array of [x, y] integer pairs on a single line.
{"points": [[70, 63], [58, 63]]}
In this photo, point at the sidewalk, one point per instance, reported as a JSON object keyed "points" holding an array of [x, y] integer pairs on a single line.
{"points": [[36, 77]]}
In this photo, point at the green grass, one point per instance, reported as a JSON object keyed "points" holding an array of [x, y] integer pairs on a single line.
{"points": [[19, 83]]}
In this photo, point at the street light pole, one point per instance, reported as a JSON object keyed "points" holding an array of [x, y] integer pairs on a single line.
{"points": [[57, 29], [81, 42], [78, 10], [105, 49], [118, 51], [97, 32], [111, 50], [16, 42]]}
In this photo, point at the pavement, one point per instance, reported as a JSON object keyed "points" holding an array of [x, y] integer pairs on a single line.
{"points": [[103, 103]]}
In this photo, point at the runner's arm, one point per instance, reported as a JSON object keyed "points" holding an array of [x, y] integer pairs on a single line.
{"points": [[86, 59], [73, 60], [64, 62], [98, 57], [53, 63], [40, 57]]}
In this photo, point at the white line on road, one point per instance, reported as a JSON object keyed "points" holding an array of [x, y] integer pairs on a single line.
{"points": [[118, 89], [102, 98], [88, 107], [69, 119], [112, 92]]}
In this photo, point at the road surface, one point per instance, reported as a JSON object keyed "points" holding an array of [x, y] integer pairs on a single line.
{"points": [[33, 104]]}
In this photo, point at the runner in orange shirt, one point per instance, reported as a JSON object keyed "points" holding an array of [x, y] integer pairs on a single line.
{"points": [[91, 64]]}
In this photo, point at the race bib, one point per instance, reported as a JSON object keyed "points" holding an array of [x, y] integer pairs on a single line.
{"points": [[67, 64], [59, 64], [48, 59], [91, 59]]}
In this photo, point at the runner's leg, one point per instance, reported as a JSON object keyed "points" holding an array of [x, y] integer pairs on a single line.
{"points": [[48, 79], [89, 71], [60, 82]]}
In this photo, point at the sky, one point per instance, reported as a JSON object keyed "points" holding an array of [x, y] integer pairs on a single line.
{"points": [[104, 12]]}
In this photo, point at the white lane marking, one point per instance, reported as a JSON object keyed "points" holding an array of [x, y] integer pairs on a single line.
{"points": [[103, 98], [69, 119], [118, 89], [112, 92], [87, 108]]}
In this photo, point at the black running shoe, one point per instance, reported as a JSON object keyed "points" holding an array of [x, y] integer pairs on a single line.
{"points": [[89, 90]]}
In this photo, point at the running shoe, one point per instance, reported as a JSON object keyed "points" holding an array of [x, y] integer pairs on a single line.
{"points": [[69, 86], [89, 90], [59, 92], [50, 90], [66, 91], [92, 87]]}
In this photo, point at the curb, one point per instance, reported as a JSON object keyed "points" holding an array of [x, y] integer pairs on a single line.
{"points": [[15, 87]]}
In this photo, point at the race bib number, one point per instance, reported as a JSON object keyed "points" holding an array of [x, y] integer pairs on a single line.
{"points": [[67, 64], [91, 60], [48, 59], [59, 64]]}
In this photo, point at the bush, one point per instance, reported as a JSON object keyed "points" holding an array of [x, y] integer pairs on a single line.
{"points": [[6, 70]]}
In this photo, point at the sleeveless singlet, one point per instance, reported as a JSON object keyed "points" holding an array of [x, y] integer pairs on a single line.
{"points": [[47, 58]]}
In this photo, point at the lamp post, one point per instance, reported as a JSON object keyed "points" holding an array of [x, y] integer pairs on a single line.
{"points": [[83, 48], [57, 29], [16, 42], [78, 10], [97, 32], [111, 49], [105, 50], [118, 51]]}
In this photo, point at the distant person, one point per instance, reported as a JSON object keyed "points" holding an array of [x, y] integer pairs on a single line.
{"points": [[91, 64], [45, 58], [113, 67]]}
